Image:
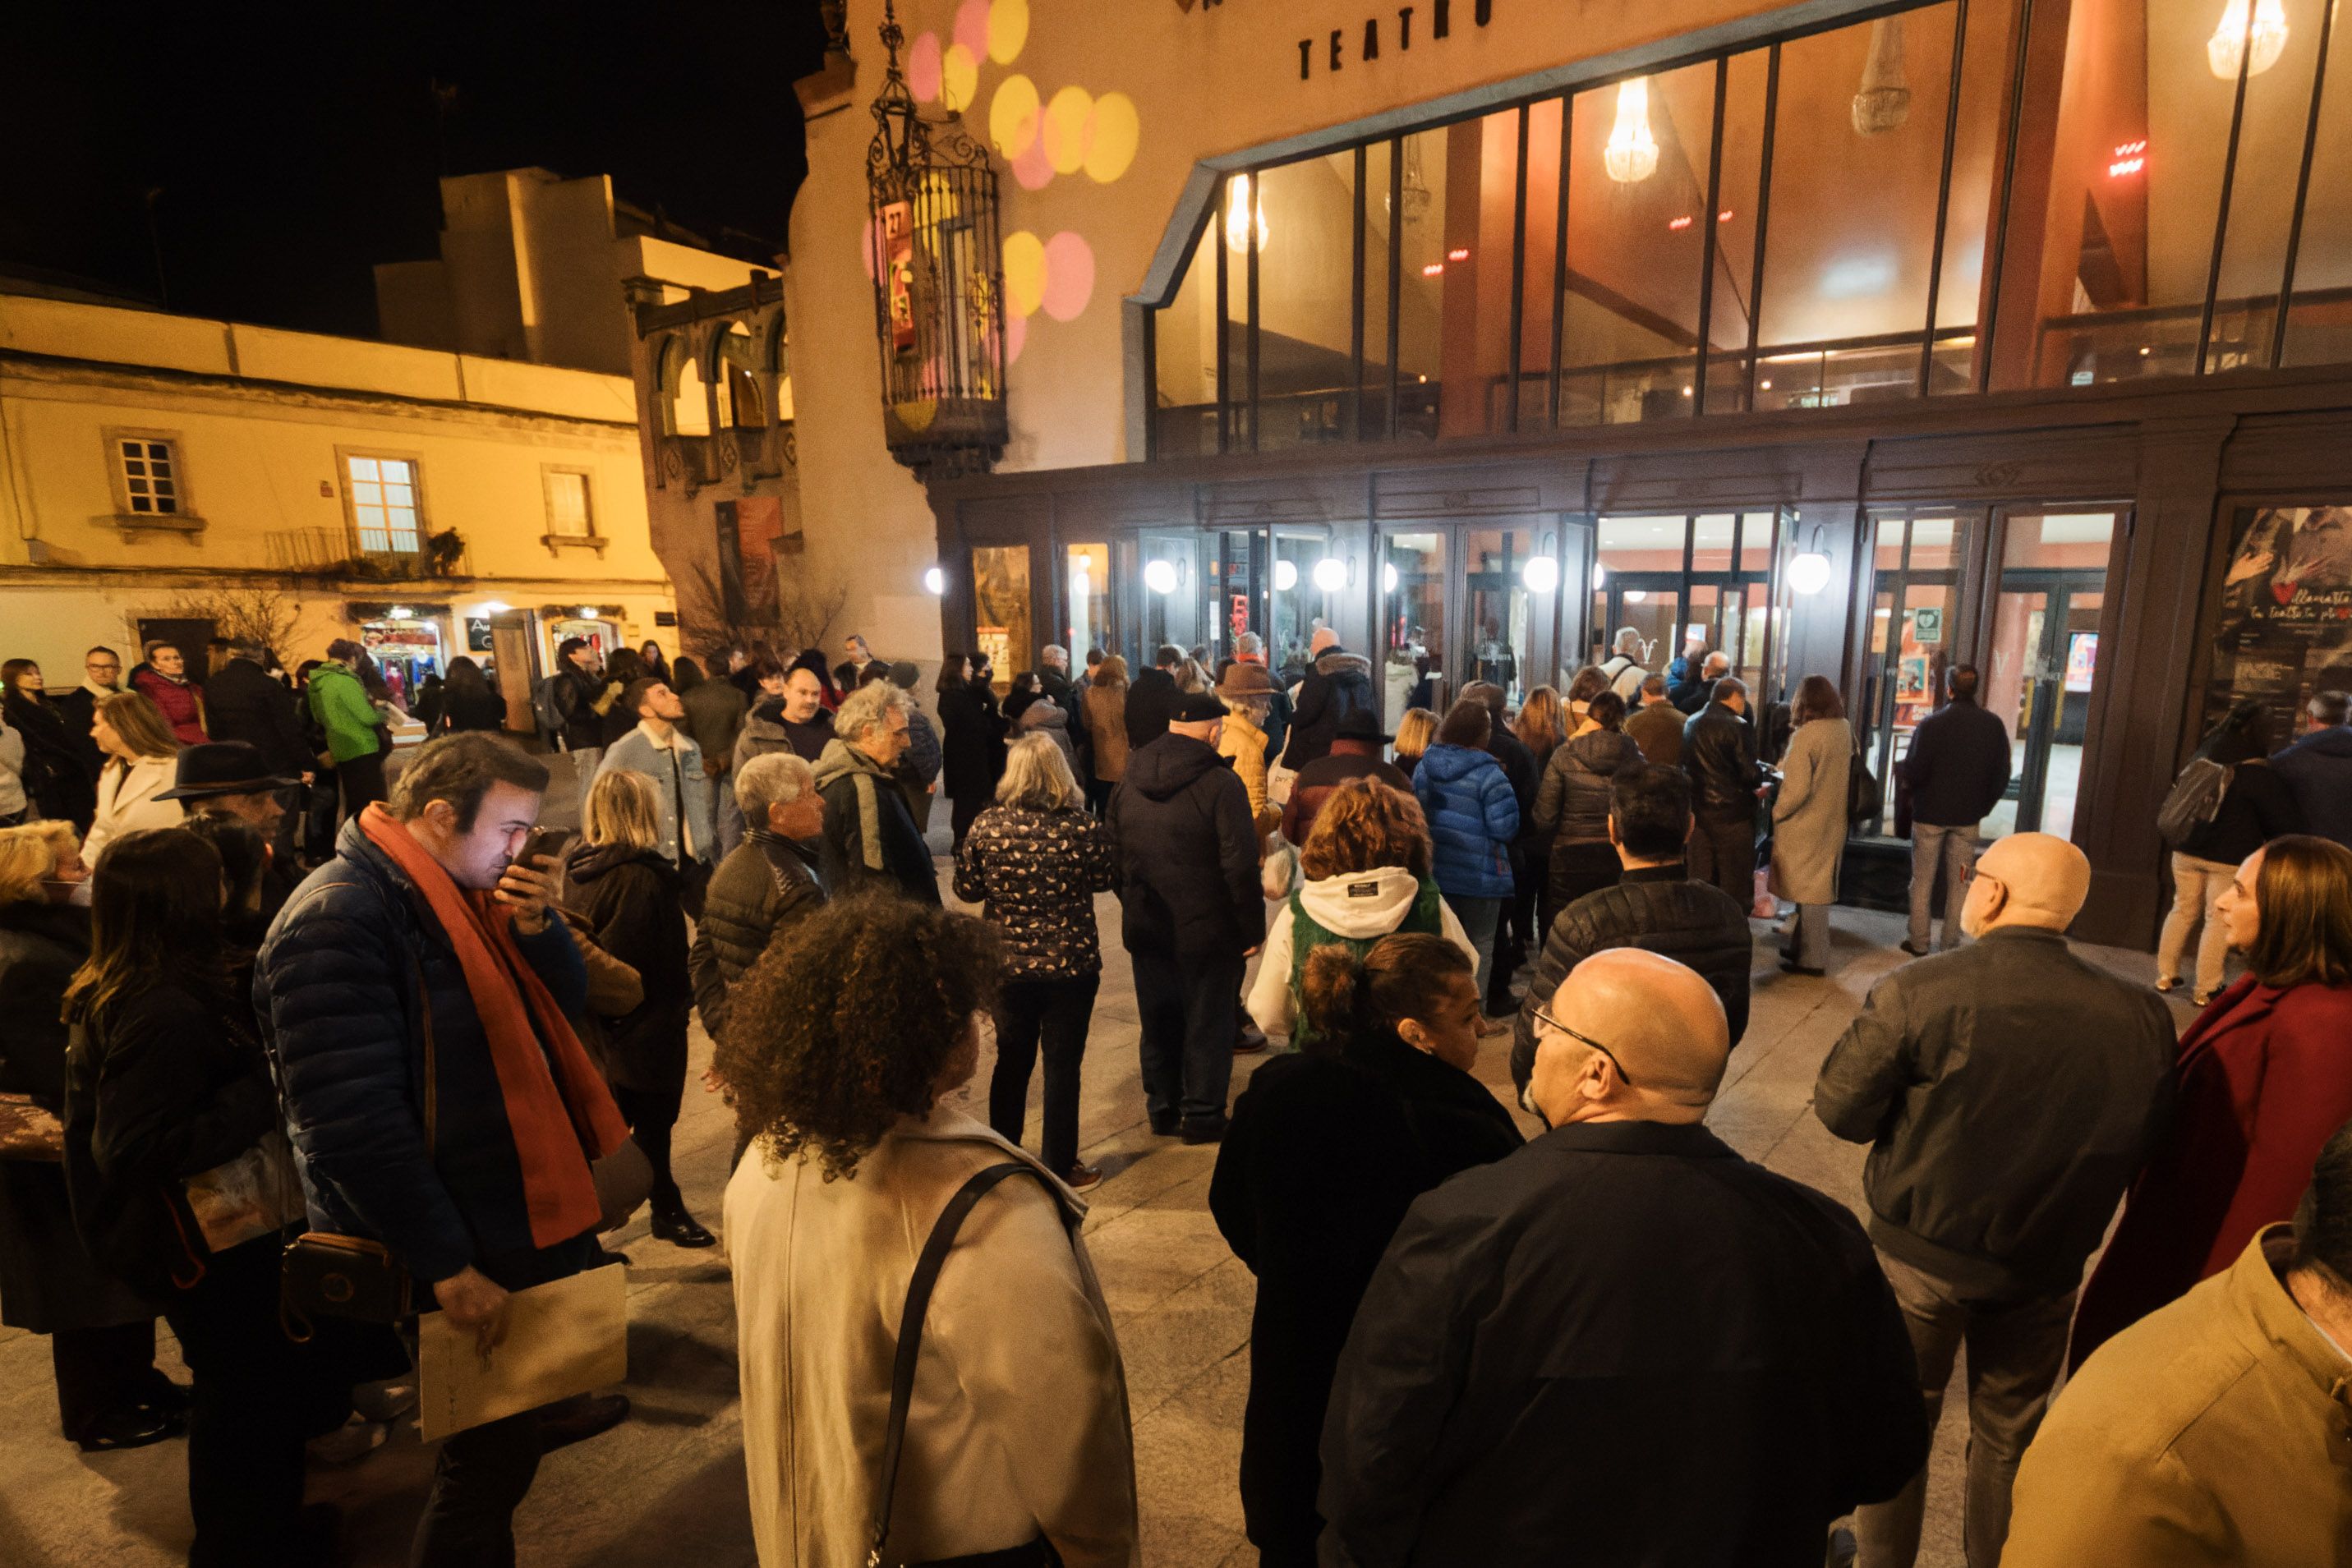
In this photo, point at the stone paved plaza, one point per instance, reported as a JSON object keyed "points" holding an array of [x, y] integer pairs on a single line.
{"points": [[667, 1486]]}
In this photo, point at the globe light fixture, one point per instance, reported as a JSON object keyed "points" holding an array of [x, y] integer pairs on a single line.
{"points": [[1632, 155], [1541, 574], [1160, 576], [1388, 578], [1330, 574], [1599, 577], [2227, 48], [1809, 572], [1637, 596], [935, 582], [1286, 576]]}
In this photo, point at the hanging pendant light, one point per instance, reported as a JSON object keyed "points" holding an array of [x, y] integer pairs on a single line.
{"points": [[1632, 155], [1884, 101], [1415, 185], [2227, 47], [1241, 198]]}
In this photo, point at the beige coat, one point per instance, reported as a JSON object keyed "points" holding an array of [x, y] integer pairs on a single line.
{"points": [[1809, 817], [2215, 1431], [1019, 1419], [127, 803]]}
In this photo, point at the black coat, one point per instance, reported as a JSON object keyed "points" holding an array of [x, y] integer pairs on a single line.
{"points": [[1657, 909], [1957, 765], [1719, 755], [462, 710], [77, 709], [2256, 807], [765, 886], [56, 780], [972, 742], [1150, 701], [48, 1280], [1337, 689], [1325, 1154], [1187, 853], [575, 698], [243, 702], [632, 898], [1625, 1343]]}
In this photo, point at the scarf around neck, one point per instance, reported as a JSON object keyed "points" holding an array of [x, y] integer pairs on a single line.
{"points": [[558, 1109]]}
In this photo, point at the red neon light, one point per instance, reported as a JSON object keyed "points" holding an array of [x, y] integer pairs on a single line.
{"points": [[1724, 216], [2122, 166], [1432, 269], [1678, 225], [1459, 253]]}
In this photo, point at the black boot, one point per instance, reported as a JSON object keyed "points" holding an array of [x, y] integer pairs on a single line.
{"points": [[674, 1225]]}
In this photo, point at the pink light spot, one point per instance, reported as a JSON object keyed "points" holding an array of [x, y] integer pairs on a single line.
{"points": [[1016, 335], [972, 27], [923, 67], [1069, 276], [1033, 167], [868, 249]]}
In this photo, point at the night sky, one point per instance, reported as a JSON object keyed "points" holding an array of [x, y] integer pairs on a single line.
{"points": [[285, 150]]}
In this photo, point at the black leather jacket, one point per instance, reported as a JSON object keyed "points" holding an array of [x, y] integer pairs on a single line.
{"points": [[1719, 755]]}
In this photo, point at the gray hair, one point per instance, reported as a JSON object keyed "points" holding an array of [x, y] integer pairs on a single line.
{"points": [[1054, 653], [1719, 660], [1249, 643], [1037, 775], [1253, 709], [1629, 638], [771, 779], [867, 709]]}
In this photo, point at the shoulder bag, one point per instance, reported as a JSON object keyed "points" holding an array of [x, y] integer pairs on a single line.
{"points": [[1037, 1553]]}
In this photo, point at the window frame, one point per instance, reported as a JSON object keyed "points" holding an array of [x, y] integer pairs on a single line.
{"points": [[556, 543], [343, 457], [183, 518]]}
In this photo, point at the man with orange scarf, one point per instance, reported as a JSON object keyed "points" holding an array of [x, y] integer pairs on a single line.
{"points": [[427, 940]]}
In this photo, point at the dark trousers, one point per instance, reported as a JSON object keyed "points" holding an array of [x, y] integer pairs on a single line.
{"points": [[1577, 868], [287, 843], [964, 813], [100, 1371], [1057, 1012], [1187, 1011], [1098, 792], [1723, 851], [361, 778], [245, 1422], [651, 1114]]}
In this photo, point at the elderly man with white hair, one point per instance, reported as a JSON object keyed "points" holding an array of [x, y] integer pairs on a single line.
{"points": [[2009, 1091], [766, 884], [1623, 1342], [1628, 667], [869, 836]]}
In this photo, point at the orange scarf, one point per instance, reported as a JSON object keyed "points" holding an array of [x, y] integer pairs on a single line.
{"points": [[559, 1119]]}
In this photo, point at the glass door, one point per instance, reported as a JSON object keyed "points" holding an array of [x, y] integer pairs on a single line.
{"points": [[2043, 664], [1510, 593], [1236, 583], [1913, 622], [1000, 599], [1411, 652], [1307, 581], [1085, 621], [1168, 579]]}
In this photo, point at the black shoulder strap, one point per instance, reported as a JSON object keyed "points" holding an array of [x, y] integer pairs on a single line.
{"points": [[911, 1326]]}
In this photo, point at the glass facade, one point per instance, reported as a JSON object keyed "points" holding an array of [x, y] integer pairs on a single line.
{"points": [[1923, 203]]}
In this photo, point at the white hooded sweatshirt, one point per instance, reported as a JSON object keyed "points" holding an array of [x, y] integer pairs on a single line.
{"points": [[1358, 905]]}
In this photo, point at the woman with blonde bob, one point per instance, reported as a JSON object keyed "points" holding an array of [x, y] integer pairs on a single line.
{"points": [[1366, 865], [1414, 733], [617, 879], [1034, 862], [142, 760]]}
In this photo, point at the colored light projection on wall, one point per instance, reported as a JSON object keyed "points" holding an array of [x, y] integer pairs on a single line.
{"points": [[1069, 133]]}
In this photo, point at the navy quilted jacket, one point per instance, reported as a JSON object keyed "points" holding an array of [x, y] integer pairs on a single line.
{"points": [[1472, 815], [337, 989]]}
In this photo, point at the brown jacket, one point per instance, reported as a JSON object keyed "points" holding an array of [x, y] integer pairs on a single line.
{"points": [[1657, 729], [2217, 1430], [1105, 709]]}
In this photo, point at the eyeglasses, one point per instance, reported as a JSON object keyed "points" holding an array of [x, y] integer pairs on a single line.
{"points": [[1624, 1077]]}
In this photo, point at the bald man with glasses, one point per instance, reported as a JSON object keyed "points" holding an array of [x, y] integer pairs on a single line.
{"points": [[1623, 1343]]}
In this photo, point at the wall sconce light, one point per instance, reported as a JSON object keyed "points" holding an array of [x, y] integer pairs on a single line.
{"points": [[1599, 577], [1388, 578], [492, 607], [935, 582], [1160, 576], [1330, 574], [1286, 576], [1809, 572], [1541, 574]]}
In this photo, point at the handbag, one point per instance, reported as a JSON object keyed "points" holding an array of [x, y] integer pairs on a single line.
{"points": [[30, 1131], [1037, 1553]]}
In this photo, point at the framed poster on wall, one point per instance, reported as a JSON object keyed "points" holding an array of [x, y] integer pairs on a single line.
{"points": [[2286, 626]]}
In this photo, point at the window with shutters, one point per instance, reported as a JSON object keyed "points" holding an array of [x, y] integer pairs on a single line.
{"points": [[386, 507]]}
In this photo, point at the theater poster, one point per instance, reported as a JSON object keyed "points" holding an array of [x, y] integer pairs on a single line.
{"points": [[751, 537], [2285, 627]]}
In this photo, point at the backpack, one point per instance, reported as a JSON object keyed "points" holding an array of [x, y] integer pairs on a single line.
{"points": [[547, 705], [2194, 800]]}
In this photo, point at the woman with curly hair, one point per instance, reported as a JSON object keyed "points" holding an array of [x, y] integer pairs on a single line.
{"points": [[1366, 870], [841, 1046]]}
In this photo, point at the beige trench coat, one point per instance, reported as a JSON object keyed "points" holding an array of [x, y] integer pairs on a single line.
{"points": [[1809, 815], [1019, 1419]]}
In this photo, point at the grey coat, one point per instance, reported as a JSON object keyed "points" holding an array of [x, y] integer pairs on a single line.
{"points": [[1808, 814], [637, 753]]}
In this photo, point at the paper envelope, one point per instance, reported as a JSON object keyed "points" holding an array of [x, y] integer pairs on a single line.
{"points": [[563, 1338]]}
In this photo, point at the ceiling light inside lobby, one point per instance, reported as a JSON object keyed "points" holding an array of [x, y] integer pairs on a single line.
{"points": [[2227, 47], [1240, 197], [1632, 155]]}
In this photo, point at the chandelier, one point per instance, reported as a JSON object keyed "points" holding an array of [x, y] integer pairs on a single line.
{"points": [[1414, 184], [2264, 19], [1632, 155], [1884, 101], [1241, 199]]}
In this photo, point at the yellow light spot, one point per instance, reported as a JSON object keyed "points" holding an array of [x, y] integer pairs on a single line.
{"points": [[1012, 116], [1118, 131], [1024, 273], [1065, 129], [1008, 29], [959, 78]]}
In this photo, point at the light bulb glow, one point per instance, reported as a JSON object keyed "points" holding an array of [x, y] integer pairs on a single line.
{"points": [[1810, 572], [2227, 47], [935, 581], [587, 612], [1242, 203], [493, 607], [1388, 578], [401, 612], [1330, 574], [1541, 574], [1632, 155], [1599, 577], [1637, 596], [1160, 576], [1286, 576]]}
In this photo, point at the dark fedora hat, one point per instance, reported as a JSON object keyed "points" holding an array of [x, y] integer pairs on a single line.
{"points": [[1361, 726], [222, 767]]}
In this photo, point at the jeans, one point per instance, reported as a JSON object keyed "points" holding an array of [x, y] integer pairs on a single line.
{"points": [[1810, 947], [1479, 916], [1186, 1004], [245, 1423], [2015, 1348], [1057, 1012], [2197, 886], [651, 1114], [1723, 851], [1955, 848]]}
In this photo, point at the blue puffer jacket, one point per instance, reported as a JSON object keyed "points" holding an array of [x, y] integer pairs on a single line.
{"points": [[337, 990], [1473, 816]]}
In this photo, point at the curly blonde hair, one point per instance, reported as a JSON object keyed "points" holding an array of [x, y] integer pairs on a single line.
{"points": [[846, 1022], [1363, 825]]}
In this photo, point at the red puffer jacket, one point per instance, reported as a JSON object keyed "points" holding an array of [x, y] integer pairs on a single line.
{"points": [[181, 703]]}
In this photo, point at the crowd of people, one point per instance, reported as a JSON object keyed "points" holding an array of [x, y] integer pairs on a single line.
{"points": [[433, 1040]]}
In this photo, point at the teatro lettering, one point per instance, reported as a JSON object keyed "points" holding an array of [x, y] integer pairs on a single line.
{"points": [[1432, 18]]}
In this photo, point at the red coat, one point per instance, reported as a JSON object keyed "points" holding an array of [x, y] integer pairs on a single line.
{"points": [[2265, 1080], [183, 708]]}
